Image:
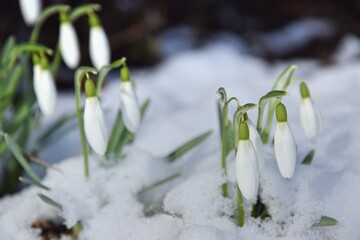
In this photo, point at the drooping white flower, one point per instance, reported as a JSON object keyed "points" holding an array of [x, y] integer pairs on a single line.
{"points": [[247, 169], [30, 10], [45, 89], [94, 124], [284, 143], [69, 45], [309, 114], [129, 106], [99, 44], [258, 145]]}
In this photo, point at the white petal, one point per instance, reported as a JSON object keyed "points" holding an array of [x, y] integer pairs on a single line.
{"points": [[129, 107], [247, 170], [94, 124], [45, 90], [30, 10], [99, 47], [258, 145], [310, 119], [285, 149], [69, 45]]}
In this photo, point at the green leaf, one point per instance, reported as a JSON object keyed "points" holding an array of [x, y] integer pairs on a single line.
{"points": [[120, 136], [49, 133], [180, 151], [49, 201], [159, 183], [309, 157], [31, 182], [326, 221], [285, 78], [155, 209], [230, 138], [16, 151], [7, 48], [83, 9]]}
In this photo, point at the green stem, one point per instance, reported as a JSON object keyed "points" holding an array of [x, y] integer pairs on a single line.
{"points": [[105, 70], [224, 148], [43, 17], [115, 135], [260, 119], [240, 210], [79, 74]]}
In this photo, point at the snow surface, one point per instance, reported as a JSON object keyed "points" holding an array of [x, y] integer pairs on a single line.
{"points": [[183, 105]]}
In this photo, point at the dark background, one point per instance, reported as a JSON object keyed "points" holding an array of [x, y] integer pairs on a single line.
{"points": [[135, 27]]}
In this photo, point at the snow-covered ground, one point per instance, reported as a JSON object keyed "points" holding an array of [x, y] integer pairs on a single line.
{"points": [[183, 105]]}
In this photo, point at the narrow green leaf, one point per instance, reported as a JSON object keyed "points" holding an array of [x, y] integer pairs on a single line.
{"points": [[7, 48], [49, 201], [31, 182], [285, 78], [159, 183], [156, 209], [180, 151], [326, 221], [83, 9], [55, 127], [230, 138], [16, 151], [309, 157]]}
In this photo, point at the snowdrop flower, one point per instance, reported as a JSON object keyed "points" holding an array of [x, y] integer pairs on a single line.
{"points": [[99, 44], [258, 145], [247, 169], [30, 10], [128, 102], [94, 124], [44, 88], [309, 114], [69, 45], [285, 147]]}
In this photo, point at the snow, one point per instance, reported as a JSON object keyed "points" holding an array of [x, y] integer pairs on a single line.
{"points": [[183, 105]]}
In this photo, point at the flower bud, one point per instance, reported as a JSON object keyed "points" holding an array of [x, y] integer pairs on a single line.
{"points": [[99, 44], [69, 45], [30, 10], [284, 144], [129, 106]]}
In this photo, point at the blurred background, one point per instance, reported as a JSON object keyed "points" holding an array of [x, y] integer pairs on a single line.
{"points": [[147, 32]]}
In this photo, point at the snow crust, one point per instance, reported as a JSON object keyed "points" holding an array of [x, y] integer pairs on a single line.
{"points": [[183, 105]]}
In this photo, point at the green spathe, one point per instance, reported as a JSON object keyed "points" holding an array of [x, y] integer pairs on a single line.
{"points": [[281, 114], [90, 90], [94, 20], [244, 131], [304, 90], [125, 74]]}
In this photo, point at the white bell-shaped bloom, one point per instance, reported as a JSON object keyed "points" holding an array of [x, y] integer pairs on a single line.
{"points": [[258, 145], [129, 106], [310, 118], [247, 169], [45, 90], [94, 124], [30, 10], [99, 47], [285, 149], [69, 45]]}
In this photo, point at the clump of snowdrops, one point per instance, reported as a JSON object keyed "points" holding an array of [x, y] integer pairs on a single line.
{"points": [[248, 141]]}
